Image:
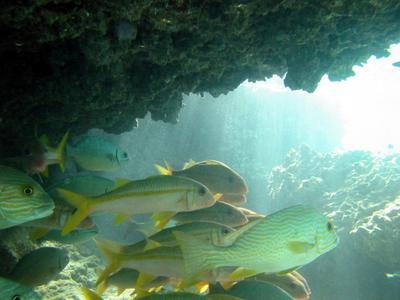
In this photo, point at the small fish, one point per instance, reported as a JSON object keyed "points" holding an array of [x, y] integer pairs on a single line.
{"points": [[393, 275], [205, 231], [293, 283], [11, 290], [22, 199], [156, 194], [88, 185], [283, 241], [74, 237], [40, 266], [123, 279], [95, 153], [215, 175], [253, 290], [38, 155], [220, 212], [396, 64], [234, 199]]}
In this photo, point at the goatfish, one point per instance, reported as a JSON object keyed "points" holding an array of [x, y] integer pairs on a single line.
{"points": [[38, 155], [155, 194], [11, 290], [215, 175], [278, 243], [22, 199], [220, 212], [88, 185], [205, 231], [40, 266], [95, 153]]}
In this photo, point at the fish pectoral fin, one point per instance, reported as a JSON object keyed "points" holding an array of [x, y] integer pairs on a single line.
{"points": [[242, 273], [150, 244], [162, 218], [38, 233], [300, 247], [120, 218]]}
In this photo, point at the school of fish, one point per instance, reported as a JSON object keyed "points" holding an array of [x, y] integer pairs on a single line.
{"points": [[200, 244]]}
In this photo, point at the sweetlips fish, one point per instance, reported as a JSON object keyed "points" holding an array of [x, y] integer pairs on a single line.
{"points": [[156, 194], [22, 199], [280, 242], [40, 266], [220, 212], [215, 175], [11, 290], [38, 155], [95, 153]]}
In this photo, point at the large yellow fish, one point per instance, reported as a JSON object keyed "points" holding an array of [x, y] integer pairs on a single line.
{"points": [[215, 175], [152, 195], [283, 241], [22, 199]]}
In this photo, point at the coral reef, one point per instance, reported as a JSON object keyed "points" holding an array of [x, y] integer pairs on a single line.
{"points": [[81, 64], [359, 190]]}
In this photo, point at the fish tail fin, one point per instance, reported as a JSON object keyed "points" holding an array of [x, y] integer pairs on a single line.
{"points": [[60, 151], [199, 257], [111, 251], [164, 170], [88, 294], [83, 205]]}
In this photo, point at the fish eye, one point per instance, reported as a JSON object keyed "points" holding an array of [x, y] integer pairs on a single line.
{"points": [[329, 225], [202, 191], [28, 190], [16, 297], [225, 231]]}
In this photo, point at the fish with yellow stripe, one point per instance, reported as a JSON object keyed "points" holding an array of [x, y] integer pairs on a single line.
{"points": [[22, 199], [280, 242], [156, 194]]}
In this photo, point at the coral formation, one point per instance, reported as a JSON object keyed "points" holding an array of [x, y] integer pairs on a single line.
{"points": [[84, 64]]}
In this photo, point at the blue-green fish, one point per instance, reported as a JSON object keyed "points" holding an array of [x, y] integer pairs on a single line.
{"points": [[255, 290], [22, 199], [280, 242], [11, 290], [95, 153], [88, 185], [40, 266], [74, 237]]}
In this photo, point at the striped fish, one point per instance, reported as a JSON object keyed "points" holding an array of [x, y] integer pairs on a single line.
{"points": [[151, 195], [11, 290], [21, 198], [283, 241]]}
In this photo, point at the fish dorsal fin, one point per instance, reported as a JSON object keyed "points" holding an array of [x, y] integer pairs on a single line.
{"points": [[241, 273], [188, 164], [231, 237], [119, 182]]}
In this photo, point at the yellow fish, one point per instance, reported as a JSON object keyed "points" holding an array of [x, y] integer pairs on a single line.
{"points": [[155, 194]]}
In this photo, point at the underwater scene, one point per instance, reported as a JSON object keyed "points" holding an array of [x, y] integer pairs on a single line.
{"points": [[216, 150]]}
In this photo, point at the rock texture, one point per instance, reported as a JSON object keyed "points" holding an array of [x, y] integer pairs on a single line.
{"points": [[75, 64]]}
